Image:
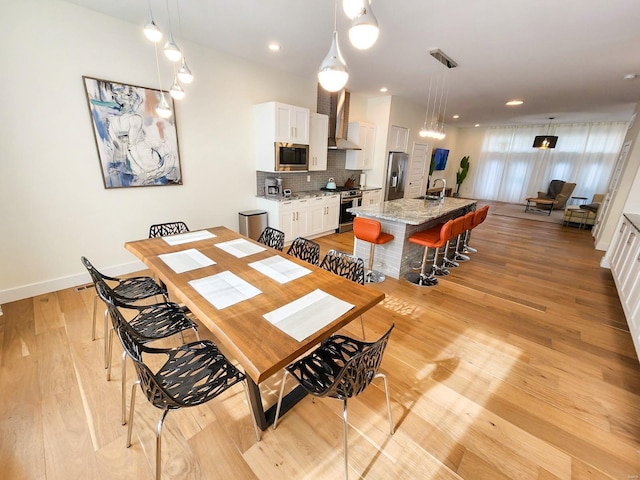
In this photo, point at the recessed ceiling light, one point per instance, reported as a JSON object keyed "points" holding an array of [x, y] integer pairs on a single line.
{"points": [[384, 89], [514, 102], [274, 47], [456, 116], [630, 76], [477, 125]]}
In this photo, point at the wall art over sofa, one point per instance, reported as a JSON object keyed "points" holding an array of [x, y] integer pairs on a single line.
{"points": [[136, 147]]}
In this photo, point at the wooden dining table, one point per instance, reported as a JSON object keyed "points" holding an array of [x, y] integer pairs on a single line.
{"points": [[260, 347]]}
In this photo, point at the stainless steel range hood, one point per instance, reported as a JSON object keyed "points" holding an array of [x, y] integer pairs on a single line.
{"points": [[336, 105]]}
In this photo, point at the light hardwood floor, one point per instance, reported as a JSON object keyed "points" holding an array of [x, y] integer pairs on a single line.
{"points": [[517, 365]]}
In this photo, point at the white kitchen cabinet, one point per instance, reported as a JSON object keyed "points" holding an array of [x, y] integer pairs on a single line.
{"points": [[303, 217], [364, 135], [318, 141], [277, 122], [625, 267], [371, 197], [398, 139]]}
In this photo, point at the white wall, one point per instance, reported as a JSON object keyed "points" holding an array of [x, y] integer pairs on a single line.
{"points": [[53, 206]]}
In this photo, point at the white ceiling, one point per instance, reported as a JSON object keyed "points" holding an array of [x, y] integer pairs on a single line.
{"points": [[565, 58]]}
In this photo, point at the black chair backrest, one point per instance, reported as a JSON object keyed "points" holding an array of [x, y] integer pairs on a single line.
{"points": [[96, 276], [306, 250], [165, 229], [345, 265], [272, 237], [360, 369]]}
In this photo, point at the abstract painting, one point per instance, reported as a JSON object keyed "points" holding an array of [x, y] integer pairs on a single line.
{"points": [[136, 147]]}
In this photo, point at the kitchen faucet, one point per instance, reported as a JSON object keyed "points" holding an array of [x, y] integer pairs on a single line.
{"points": [[444, 187]]}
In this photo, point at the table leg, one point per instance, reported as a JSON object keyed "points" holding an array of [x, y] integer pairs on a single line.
{"points": [[265, 419], [526, 208]]}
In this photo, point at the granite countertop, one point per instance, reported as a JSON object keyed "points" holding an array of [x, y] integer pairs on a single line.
{"points": [[412, 211], [309, 194], [634, 218]]}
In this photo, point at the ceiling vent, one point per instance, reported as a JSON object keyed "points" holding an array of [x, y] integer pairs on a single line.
{"points": [[443, 58]]}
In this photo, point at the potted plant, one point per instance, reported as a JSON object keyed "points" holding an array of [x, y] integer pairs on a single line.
{"points": [[461, 174]]}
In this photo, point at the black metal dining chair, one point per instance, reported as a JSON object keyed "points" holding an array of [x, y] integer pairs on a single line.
{"points": [[347, 266], [152, 322], [306, 250], [341, 367], [192, 374], [166, 229], [129, 290], [272, 237]]}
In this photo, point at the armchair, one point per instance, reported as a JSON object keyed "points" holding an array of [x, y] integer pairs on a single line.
{"points": [[560, 191], [583, 215]]}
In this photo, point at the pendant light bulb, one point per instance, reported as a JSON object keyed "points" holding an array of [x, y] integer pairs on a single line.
{"points": [[151, 30], [163, 109], [184, 74], [171, 49], [333, 73], [364, 30], [353, 7], [177, 91]]}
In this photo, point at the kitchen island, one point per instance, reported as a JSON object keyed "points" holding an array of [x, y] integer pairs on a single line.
{"points": [[402, 218]]}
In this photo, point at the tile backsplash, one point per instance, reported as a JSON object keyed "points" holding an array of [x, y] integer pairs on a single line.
{"points": [[297, 181]]}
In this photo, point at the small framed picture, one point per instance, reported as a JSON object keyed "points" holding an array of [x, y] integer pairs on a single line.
{"points": [[136, 146]]}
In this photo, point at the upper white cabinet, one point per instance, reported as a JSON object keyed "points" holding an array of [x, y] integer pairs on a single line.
{"points": [[398, 139], [364, 135], [318, 141], [278, 122]]}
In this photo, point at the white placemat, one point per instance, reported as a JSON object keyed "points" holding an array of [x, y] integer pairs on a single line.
{"points": [[188, 237], [186, 260], [308, 314], [280, 269], [240, 247], [224, 289]]}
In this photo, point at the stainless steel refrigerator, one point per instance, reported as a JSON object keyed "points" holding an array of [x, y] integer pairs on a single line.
{"points": [[396, 175]]}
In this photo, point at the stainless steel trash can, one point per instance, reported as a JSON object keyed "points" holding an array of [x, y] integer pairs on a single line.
{"points": [[252, 223]]}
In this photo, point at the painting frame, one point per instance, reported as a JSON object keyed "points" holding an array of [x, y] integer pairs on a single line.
{"points": [[136, 146]]}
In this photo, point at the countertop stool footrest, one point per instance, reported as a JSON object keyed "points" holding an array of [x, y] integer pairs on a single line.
{"points": [[436, 238]]}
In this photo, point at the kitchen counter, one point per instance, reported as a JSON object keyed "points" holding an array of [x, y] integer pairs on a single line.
{"points": [[402, 218], [412, 211]]}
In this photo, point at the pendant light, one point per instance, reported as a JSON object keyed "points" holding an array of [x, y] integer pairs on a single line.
{"points": [[333, 73], [546, 141], [162, 109], [352, 8], [184, 74], [424, 133], [151, 30], [364, 30], [176, 90], [171, 49]]}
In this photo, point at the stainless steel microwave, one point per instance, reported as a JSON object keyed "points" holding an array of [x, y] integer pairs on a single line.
{"points": [[291, 157]]}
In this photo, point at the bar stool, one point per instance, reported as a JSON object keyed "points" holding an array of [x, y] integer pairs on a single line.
{"points": [[458, 256], [369, 230], [456, 230], [479, 217], [435, 237]]}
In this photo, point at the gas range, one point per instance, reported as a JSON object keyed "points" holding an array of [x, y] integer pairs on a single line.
{"points": [[345, 192]]}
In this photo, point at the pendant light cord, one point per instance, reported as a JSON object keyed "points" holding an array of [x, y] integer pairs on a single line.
{"points": [[155, 47], [335, 16]]}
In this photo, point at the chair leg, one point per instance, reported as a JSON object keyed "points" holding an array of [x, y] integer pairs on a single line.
{"points": [[131, 410], [458, 256], [437, 269], [423, 279], [95, 307], [159, 445], [284, 380], [195, 330], [253, 418], [106, 334], [386, 393], [446, 261], [124, 387], [109, 354], [345, 427]]}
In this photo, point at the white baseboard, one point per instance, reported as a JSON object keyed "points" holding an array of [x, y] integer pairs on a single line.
{"points": [[605, 263], [48, 286]]}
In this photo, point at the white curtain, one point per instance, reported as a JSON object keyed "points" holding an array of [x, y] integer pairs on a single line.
{"points": [[510, 169]]}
